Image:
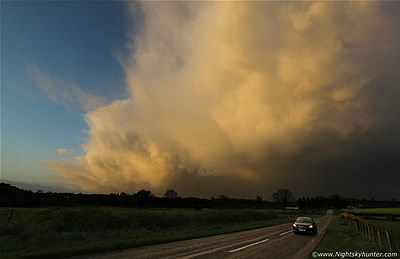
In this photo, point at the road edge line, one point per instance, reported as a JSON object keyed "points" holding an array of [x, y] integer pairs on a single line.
{"points": [[243, 247]]}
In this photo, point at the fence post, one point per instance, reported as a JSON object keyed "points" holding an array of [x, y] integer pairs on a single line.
{"points": [[371, 232], [379, 238], [393, 242], [390, 243], [373, 235], [362, 228], [365, 229]]}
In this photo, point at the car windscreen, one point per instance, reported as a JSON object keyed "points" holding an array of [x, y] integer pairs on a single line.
{"points": [[303, 220]]}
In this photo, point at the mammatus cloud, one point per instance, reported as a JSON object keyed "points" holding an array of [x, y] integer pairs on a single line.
{"points": [[245, 93], [67, 95], [65, 151]]}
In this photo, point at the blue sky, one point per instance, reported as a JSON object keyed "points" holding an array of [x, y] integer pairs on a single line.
{"points": [[69, 43]]}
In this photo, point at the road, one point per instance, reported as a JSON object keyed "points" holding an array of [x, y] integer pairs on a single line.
{"points": [[269, 242]]}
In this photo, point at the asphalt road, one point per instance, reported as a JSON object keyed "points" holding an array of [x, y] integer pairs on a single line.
{"points": [[270, 242]]}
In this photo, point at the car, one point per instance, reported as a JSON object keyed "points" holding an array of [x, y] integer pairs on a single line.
{"points": [[305, 225]]}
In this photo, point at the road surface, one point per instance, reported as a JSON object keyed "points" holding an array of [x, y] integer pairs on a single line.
{"points": [[269, 242]]}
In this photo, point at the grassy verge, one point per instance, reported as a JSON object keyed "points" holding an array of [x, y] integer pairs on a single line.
{"points": [[340, 236], [49, 232]]}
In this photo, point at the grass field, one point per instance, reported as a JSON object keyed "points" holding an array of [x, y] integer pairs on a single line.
{"points": [[46, 232], [393, 211], [390, 214]]}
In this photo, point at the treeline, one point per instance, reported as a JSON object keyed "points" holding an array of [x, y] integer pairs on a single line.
{"points": [[11, 196], [338, 202], [320, 202]]}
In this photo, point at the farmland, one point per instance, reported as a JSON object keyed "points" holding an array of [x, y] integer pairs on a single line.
{"points": [[391, 211], [377, 213]]}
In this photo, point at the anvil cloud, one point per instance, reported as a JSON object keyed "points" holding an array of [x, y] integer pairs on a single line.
{"points": [[244, 98]]}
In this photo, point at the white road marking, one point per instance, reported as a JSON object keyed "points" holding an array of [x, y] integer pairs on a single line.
{"points": [[243, 247], [284, 233], [183, 256]]}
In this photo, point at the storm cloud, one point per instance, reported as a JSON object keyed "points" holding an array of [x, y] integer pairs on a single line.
{"points": [[243, 98]]}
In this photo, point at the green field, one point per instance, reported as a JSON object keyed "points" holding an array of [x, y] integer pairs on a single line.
{"points": [[393, 211], [390, 214], [46, 232]]}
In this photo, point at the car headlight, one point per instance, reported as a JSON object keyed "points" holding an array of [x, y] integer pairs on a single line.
{"points": [[294, 225], [311, 226]]}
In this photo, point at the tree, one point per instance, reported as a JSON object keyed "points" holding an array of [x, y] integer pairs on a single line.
{"points": [[337, 201], [144, 198], [143, 194], [282, 196], [300, 203], [171, 193]]}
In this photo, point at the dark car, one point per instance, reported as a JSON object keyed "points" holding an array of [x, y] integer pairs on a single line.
{"points": [[305, 225]]}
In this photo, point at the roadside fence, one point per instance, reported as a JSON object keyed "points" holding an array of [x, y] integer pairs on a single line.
{"points": [[382, 239]]}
